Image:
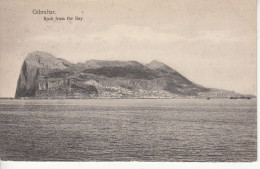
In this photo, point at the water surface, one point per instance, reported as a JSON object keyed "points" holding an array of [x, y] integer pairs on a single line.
{"points": [[128, 130]]}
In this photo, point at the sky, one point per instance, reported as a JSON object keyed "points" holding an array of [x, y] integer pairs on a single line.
{"points": [[211, 42]]}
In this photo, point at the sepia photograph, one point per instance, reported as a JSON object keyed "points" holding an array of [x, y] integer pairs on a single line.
{"points": [[128, 80]]}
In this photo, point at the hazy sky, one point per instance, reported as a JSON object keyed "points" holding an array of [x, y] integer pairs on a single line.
{"points": [[211, 42]]}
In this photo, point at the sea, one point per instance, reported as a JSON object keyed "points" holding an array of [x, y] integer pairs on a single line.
{"points": [[160, 130]]}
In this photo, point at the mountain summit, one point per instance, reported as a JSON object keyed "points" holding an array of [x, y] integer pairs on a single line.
{"points": [[45, 76]]}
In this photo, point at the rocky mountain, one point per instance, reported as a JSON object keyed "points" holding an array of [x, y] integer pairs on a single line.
{"points": [[45, 76]]}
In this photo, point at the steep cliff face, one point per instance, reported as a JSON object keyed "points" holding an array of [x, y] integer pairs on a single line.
{"points": [[45, 76], [36, 64]]}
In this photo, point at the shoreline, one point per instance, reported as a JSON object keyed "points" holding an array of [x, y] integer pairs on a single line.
{"points": [[133, 98]]}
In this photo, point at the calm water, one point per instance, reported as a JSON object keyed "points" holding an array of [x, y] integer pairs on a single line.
{"points": [[128, 130]]}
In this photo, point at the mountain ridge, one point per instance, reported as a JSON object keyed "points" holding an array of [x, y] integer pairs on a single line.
{"points": [[45, 76]]}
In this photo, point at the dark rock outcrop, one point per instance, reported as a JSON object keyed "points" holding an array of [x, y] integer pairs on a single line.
{"points": [[45, 76]]}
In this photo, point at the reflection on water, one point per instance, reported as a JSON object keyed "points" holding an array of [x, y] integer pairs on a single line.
{"points": [[128, 130]]}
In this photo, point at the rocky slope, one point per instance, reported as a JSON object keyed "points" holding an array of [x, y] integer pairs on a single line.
{"points": [[45, 76]]}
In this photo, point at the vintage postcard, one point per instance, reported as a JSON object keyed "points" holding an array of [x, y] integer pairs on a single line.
{"points": [[128, 80]]}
